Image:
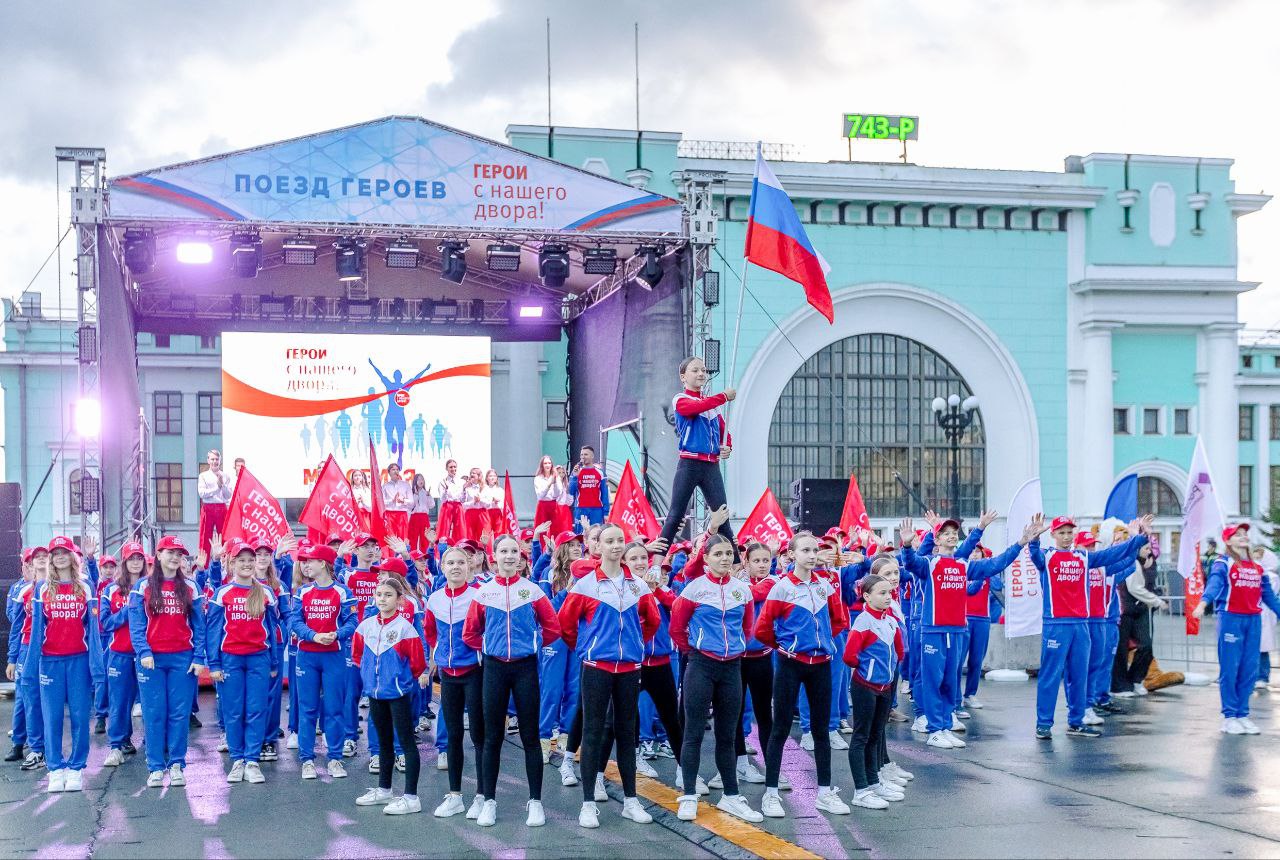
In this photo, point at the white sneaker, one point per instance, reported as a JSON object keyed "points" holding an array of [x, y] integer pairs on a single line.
{"points": [[567, 776], [589, 815], [868, 799], [899, 772], [308, 770], [137, 710], [176, 777], [537, 816], [222, 744], [644, 768], [837, 741], [1245, 723], [57, 781], [72, 780], [236, 774], [364, 702], [115, 758], [403, 805], [488, 814], [737, 806], [423, 723], [956, 725], [784, 784], [1124, 694], [155, 779], [955, 741], [892, 779], [337, 769], [829, 801], [348, 749], [374, 797], [688, 808], [701, 786], [476, 805], [921, 725], [375, 765], [292, 741], [253, 773], [400, 762], [771, 806], [1091, 718], [1140, 689], [601, 795], [442, 760], [845, 728], [716, 782], [972, 702], [1259, 684], [749, 773], [806, 741], [632, 809], [888, 792], [939, 740]]}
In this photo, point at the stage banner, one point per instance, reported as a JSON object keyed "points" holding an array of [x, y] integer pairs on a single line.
{"points": [[509, 506], [291, 400], [1024, 604], [331, 507], [394, 171], [253, 512], [766, 522], [631, 510]]}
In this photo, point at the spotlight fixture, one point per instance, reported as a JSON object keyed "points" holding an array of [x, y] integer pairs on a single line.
{"points": [[599, 261], [711, 289], [502, 258], [445, 309], [194, 253], [139, 250], [650, 273], [402, 254], [349, 259], [246, 254], [453, 261], [360, 310], [273, 306], [553, 264], [527, 311], [299, 251], [87, 343], [711, 355]]}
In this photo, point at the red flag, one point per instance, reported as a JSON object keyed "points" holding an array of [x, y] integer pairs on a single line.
{"points": [[377, 518], [253, 512], [509, 505], [331, 507], [765, 522], [631, 509], [854, 515], [1194, 591]]}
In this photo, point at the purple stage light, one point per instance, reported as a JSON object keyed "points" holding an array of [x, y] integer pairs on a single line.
{"points": [[196, 253], [531, 312], [87, 417]]}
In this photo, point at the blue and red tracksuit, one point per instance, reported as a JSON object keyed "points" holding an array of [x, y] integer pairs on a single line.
{"points": [[590, 492], [100, 690], [175, 639], [322, 668], [1238, 590], [389, 654], [657, 652], [65, 660], [714, 615], [28, 721], [978, 610], [839, 703], [411, 610], [756, 649], [1065, 641], [361, 582], [121, 670], [1104, 629], [510, 619], [875, 649], [444, 613], [559, 671], [246, 650], [608, 620]]}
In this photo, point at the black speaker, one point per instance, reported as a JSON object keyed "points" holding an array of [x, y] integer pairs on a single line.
{"points": [[816, 502]]}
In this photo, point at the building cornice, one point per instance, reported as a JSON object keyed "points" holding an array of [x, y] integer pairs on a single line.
{"points": [[1185, 160], [1189, 285], [146, 361], [1246, 204]]}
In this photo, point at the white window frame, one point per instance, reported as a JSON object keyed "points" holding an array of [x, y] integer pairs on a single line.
{"points": [[1128, 410], [1160, 420]]}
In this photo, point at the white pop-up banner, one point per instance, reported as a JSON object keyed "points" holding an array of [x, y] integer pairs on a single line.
{"points": [[1024, 603]]}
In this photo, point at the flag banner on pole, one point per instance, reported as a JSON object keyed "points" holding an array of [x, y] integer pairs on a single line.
{"points": [[254, 513], [331, 507], [1123, 501], [377, 515], [1201, 514], [631, 509], [766, 522], [1194, 591], [509, 506], [776, 240], [1024, 603], [854, 514]]}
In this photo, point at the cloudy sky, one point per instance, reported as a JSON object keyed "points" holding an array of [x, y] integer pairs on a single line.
{"points": [[997, 84]]}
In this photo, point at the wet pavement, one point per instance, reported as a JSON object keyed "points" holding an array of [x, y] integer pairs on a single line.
{"points": [[1162, 782]]}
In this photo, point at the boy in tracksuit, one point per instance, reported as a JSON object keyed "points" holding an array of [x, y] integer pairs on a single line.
{"points": [[1064, 648]]}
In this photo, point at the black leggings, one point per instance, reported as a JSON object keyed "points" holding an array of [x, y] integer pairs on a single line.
{"points": [[757, 679], [711, 684], [816, 679], [660, 684], [502, 681], [385, 714], [869, 712], [691, 475], [455, 692], [598, 690]]}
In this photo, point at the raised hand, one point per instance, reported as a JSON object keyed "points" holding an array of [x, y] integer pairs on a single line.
{"points": [[1036, 527], [931, 517], [1142, 525], [988, 517], [215, 546], [907, 530], [719, 517], [89, 545], [398, 544]]}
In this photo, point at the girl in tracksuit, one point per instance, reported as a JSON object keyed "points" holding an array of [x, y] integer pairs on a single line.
{"points": [[275, 573], [323, 620], [244, 657], [64, 660], [801, 618], [558, 664], [510, 619], [712, 620], [388, 650], [167, 628], [121, 670], [1237, 588], [613, 614], [460, 678], [411, 608], [28, 723], [361, 581]]}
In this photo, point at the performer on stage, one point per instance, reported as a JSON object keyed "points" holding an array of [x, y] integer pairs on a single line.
{"points": [[589, 488], [214, 487], [397, 498], [449, 525], [548, 485]]}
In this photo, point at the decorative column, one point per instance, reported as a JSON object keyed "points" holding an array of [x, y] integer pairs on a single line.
{"points": [[1097, 430], [1219, 410]]}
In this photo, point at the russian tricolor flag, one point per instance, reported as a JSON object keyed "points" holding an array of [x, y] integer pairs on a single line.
{"points": [[776, 240]]}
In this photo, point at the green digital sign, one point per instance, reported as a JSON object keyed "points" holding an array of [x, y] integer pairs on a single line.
{"points": [[879, 126]]}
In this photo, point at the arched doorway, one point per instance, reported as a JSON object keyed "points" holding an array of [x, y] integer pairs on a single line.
{"points": [[861, 405]]}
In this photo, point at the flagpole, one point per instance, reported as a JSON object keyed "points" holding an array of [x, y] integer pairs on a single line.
{"points": [[737, 325]]}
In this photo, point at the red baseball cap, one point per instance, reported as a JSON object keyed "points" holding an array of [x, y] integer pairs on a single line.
{"points": [[565, 537], [1086, 539], [317, 552], [131, 549], [469, 545], [262, 543], [28, 554], [417, 555], [1061, 522], [1232, 529], [172, 542], [362, 538], [526, 534], [237, 546], [950, 521], [333, 537], [392, 565], [65, 543], [108, 560]]}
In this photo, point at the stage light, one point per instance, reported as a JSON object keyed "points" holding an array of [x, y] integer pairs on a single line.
{"points": [[299, 251], [453, 261], [526, 311], [246, 254], [87, 342], [349, 259], [194, 253], [711, 289], [273, 306], [90, 494], [553, 264], [87, 418], [711, 355], [397, 309], [403, 254], [360, 310], [599, 261], [445, 309], [184, 304], [502, 258], [139, 251], [650, 273]]}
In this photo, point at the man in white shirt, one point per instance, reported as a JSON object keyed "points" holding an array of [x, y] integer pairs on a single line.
{"points": [[397, 498], [214, 487]]}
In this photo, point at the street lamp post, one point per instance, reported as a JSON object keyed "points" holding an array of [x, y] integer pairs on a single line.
{"points": [[955, 417]]}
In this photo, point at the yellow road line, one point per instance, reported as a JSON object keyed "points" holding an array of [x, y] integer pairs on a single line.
{"points": [[741, 833]]}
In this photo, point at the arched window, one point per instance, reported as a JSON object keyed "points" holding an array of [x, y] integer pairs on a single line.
{"points": [[862, 406], [1155, 496], [73, 493]]}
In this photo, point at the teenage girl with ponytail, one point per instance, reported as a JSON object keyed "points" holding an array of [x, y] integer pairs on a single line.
{"points": [[122, 675]]}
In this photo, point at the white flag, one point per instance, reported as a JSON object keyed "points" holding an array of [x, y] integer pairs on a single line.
{"points": [[1201, 512], [1023, 602]]}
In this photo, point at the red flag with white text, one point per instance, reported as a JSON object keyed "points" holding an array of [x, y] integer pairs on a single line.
{"points": [[854, 515], [509, 506], [331, 507], [766, 522], [253, 512], [377, 516], [631, 509], [1195, 591]]}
